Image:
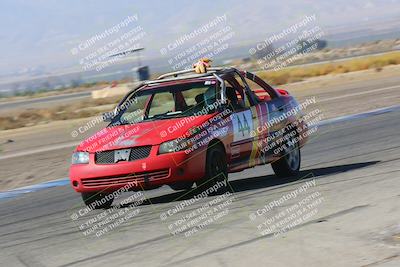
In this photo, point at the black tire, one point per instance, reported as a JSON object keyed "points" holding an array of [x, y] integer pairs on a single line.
{"points": [[179, 186], [289, 164], [216, 170], [104, 200]]}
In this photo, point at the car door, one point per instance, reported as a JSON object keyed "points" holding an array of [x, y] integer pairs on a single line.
{"points": [[242, 119], [270, 112]]}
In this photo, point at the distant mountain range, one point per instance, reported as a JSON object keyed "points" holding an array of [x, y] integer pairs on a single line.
{"points": [[39, 35]]}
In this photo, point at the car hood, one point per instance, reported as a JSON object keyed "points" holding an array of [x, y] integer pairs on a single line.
{"points": [[140, 134]]}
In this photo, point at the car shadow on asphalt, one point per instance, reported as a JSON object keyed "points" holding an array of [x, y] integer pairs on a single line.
{"points": [[260, 182]]}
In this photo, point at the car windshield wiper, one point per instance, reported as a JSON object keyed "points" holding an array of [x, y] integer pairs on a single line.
{"points": [[167, 115], [125, 123]]}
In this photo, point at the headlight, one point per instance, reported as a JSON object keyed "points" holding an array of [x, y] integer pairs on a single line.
{"points": [[174, 146], [80, 158]]}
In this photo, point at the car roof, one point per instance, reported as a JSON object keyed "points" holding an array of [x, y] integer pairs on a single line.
{"points": [[180, 77], [190, 74], [184, 76], [170, 82]]}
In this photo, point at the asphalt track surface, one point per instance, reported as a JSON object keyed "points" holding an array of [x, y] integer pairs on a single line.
{"points": [[355, 166]]}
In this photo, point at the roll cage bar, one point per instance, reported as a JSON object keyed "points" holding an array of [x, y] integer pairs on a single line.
{"points": [[174, 76]]}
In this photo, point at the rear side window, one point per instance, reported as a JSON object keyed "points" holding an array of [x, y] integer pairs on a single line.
{"points": [[259, 87], [258, 90]]}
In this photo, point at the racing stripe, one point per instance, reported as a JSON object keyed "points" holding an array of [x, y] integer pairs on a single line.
{"points": [[255, 148]]}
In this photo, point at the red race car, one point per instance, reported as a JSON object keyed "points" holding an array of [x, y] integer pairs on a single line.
{"points": [[185, 128]]}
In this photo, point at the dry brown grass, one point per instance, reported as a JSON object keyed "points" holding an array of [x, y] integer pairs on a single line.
{"points": [[296, 74], [83, 109]]}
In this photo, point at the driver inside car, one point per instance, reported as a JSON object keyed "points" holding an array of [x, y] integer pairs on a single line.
{"points": [[232, 98]]}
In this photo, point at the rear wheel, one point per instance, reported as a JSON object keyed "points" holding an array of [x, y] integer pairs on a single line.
{"points": [[97, 200], [216, 170], [289, 164]]}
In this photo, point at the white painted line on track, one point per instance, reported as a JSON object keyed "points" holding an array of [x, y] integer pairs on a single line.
{"points": [[366, 114], [32, 188], [359, 93]]}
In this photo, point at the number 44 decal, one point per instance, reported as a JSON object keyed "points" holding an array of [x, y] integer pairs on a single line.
{"points": [[242, 125]]}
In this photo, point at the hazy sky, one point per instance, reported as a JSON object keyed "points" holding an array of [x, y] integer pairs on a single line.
{"points": [[42, 32]]}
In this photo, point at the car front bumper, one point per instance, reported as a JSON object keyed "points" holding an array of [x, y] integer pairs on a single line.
{"points": [[153, 171]]}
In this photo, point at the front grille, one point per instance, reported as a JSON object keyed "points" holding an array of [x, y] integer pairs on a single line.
{"points": [[107, 157], [121, 180], [140, 152]]}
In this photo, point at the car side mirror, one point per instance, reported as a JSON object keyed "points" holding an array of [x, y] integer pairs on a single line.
{"points": [[282, 91], [264, 97]]}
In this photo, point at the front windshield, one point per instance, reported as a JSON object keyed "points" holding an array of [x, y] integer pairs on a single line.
{"points": [[183, 100]]}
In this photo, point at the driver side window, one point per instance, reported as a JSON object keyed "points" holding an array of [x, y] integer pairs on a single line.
{"points": [[161, 103], [235, 93], [134, 111]]}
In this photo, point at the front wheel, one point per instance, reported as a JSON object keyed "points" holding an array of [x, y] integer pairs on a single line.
{"points": [[97, 200], [289, 164], [185, 185], [216, 171]]}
